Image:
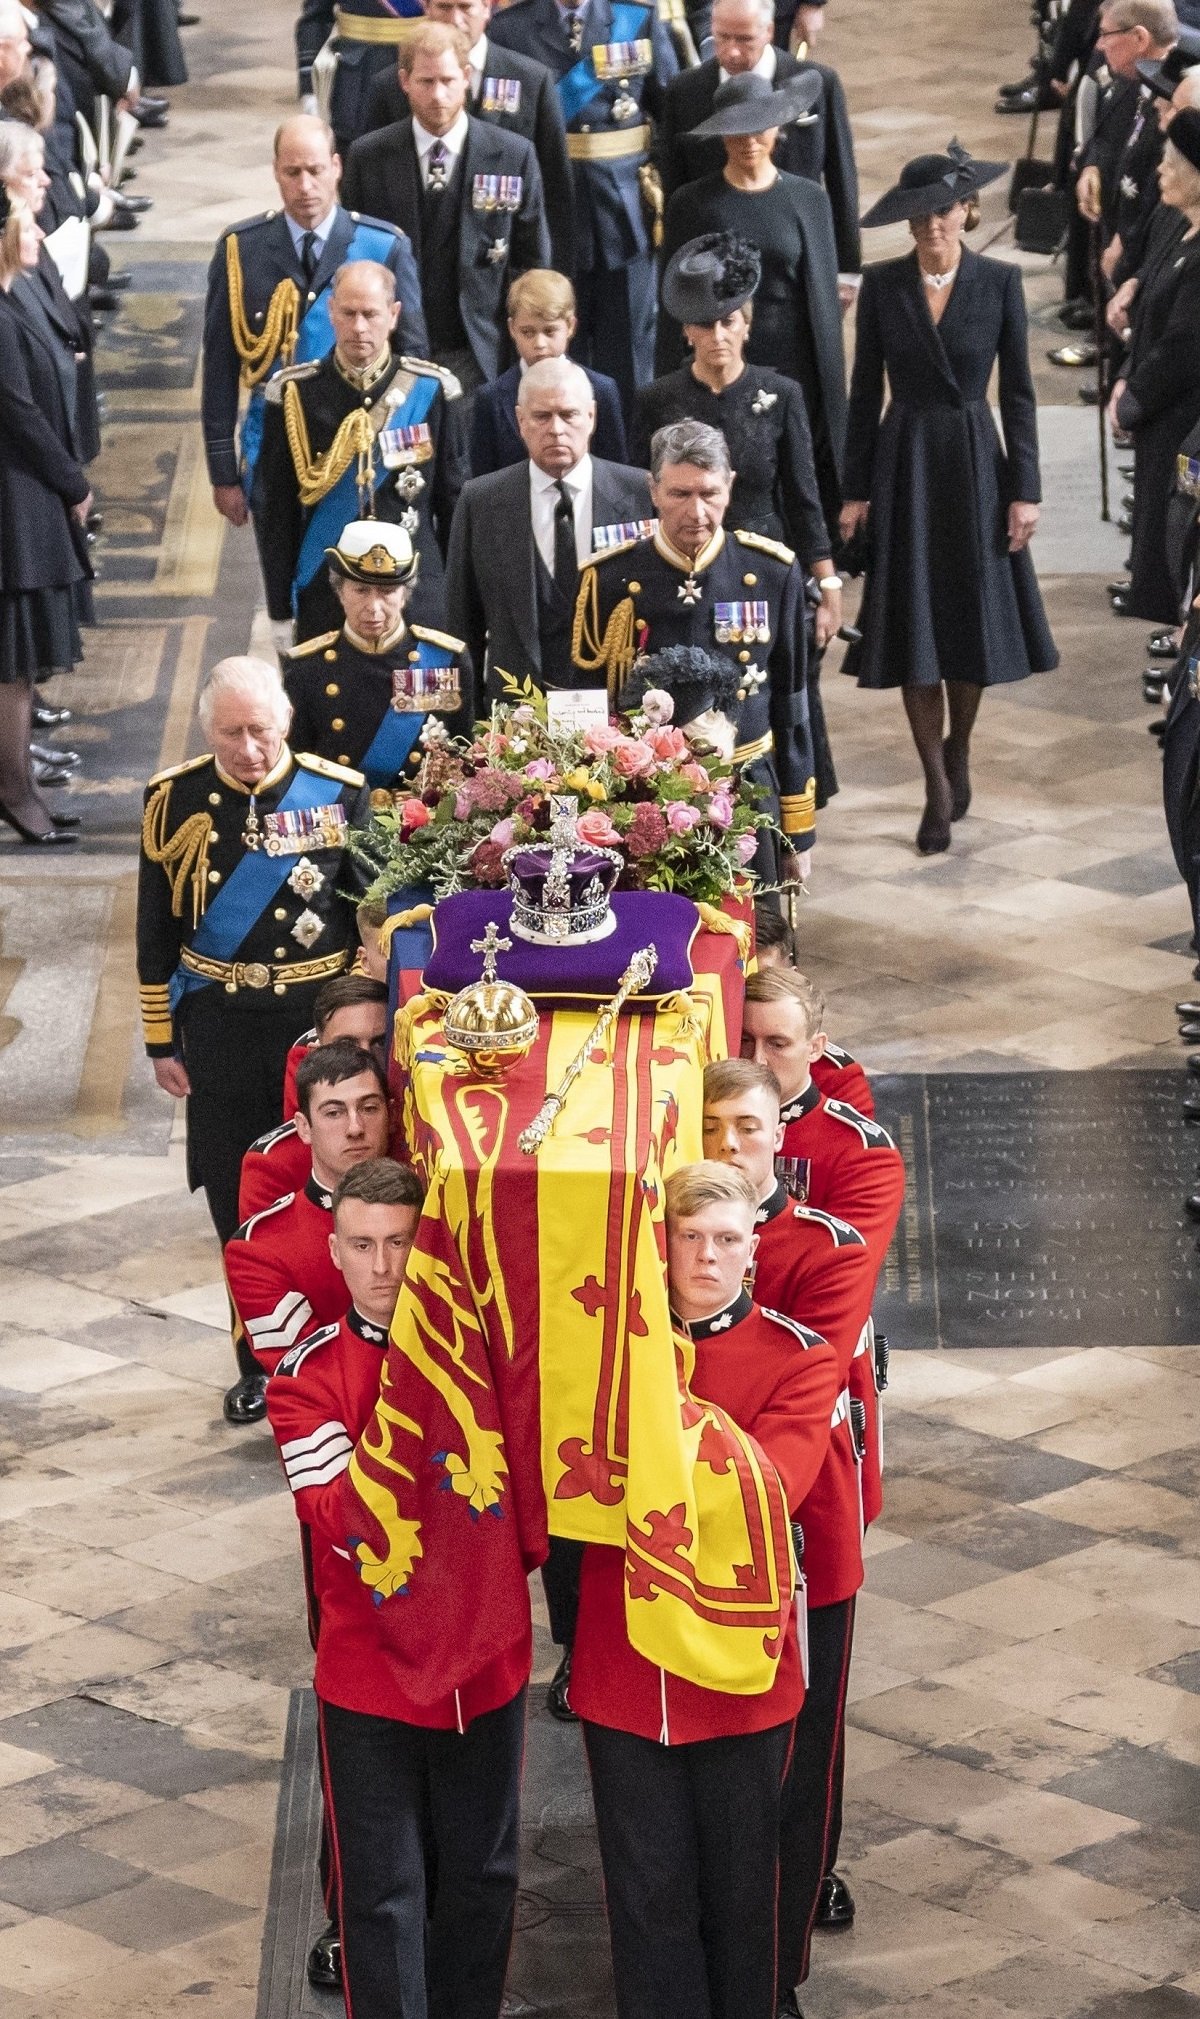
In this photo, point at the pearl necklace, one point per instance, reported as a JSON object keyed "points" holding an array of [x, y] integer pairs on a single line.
{"points": [[940, 280]]}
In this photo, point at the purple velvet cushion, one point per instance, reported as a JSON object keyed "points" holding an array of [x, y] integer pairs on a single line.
{"points": [[566, 973]]}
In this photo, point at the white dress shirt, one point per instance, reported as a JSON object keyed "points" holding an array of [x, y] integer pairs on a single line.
{"points": [[543, 502], [453, 142], [477, 64], [765, 67]]}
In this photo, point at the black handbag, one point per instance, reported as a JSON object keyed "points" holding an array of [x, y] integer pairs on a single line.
{"points": [[1043, 218]]}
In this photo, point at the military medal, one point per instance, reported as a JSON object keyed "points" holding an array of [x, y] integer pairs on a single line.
{"points": [[294, 832], [742, 623], [1187, 476], [604, 537], [1193, 679], [497, 252], [497, 192], [422, 690], [501, 95], [306, 879], [690, 590], [410, 484], [308, 929], [401, 446]]}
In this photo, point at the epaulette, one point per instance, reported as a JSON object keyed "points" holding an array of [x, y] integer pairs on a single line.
{"points": [[311, 645], [290, 375], [247, 1227], [450, 385], [248, 223], [775, 548], [326, 768], [873, 1134], [438, 638], [838, 1055], [607, 553], [292, 1362], [177, 770], [380, 223], [793, 1325], [265, 1144], [843, 1234]]}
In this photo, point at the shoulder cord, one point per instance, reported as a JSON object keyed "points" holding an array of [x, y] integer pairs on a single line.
{"points": [[615, 650], [277, 339], [181, 855], [317, 475]]}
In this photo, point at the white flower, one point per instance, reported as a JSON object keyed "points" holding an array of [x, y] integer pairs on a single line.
{"points": [[657, 706]]}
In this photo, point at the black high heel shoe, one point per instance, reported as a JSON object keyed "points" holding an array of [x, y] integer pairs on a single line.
{"points": [[55, 838], [67, 819]]}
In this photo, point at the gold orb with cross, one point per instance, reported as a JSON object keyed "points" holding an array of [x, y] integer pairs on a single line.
{"points": [[491, 1023]]}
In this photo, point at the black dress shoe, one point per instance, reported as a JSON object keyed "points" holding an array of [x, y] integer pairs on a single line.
{"points": [[150, 122], [1191, 1205], [1191, 1106], [152, 104], [1029, 83], [933, 835], [325, 1959], [115, 283], [1188, 1010], [246, 1401], [188, 20], [557, 1701], [54, 837], [121, 220], [788, 2008], [1122, 604], [67, 819], [53, 718], [62, 760], [100, 300], [1115, 588], [1163, 645], [835, 1907], [45, 774], [1089, 395], [1157, 729], [1077, 318], [1190, 1033], [140, 204], [1193, 1062], [1076, 356], [1030, 100], [1125, 523], [1153, 683], [95, 522]]}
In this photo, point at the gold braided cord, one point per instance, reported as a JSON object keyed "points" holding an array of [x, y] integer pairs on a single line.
{"points": [[716, 920], [317, 475], [182, 855], [276, 341], [615, 651]]}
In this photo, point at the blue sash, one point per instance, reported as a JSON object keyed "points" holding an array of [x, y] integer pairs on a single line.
{"points": [[580, 84], [242, 902], [314, 339], [396, 736], [340, 505]]}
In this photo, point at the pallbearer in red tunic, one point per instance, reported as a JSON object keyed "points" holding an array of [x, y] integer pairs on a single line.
{"points": [[400, 1777], [350, 1006], [282, 1278], [841, 1161], [836, 1071], [816, 1268], [687, 1780]]}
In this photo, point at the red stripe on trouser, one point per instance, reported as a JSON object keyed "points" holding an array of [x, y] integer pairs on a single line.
{"points": [[335, 1855], [839, 1722]]}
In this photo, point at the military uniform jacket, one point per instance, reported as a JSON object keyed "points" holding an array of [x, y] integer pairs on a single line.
{"points": [[267, 257], [359, 62], [282, 1278], [292, 918], [855, 1172], [610, 218], [345, 697], [840, 1076], [518, 95], [320, 1400], [420, 495], [273, 1166], [822, 152], [779, 1383], [495, 244], [815, 1268], [646, 595]]}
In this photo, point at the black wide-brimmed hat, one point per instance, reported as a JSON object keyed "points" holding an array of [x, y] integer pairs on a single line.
{"points": [[710, 277], [750, 104], [1163, 75], [933, 182], [1184, 135]]}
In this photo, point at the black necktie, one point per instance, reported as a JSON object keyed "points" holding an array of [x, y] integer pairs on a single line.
{"points": [[308, 255], [566, 567]]}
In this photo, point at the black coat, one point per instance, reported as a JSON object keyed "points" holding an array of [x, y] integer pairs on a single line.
{"points": [[496, 442], [383, 176], [150, 31], [944, 599], [763, 418], [94, 63], [537, 118], [797, 327], [822, 152], [40, 475], [1160, 405], [72, 327], [1182, 528]]}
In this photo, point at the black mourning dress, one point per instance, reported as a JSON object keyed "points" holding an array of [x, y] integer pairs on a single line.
{"points": [[944, 599], [44, 572], [1160, 406]]}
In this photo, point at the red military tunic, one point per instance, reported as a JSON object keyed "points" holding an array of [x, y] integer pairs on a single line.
{"points": [[282, 1277], [297, 1054], [815, 1268], [849, 1166], [319, 1400], [779, 1383], [838, 1075], [277, 1163]]}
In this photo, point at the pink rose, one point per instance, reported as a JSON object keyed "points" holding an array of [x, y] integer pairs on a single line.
{"points": [[414, 813], [720, 810], [632, 759], [747, 848], [696, 775], [503, 834], [541, 767], [600, 739], [657, 705], [681, 818], [668, 745], [596, 829]]}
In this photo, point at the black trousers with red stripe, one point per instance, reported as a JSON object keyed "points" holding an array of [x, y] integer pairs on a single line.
{"points": [[812, 1790], [394, 1794], [688, 1838]]}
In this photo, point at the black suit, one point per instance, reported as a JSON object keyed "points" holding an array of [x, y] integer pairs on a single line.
{"points": [[822, 152], [496, 440], [384, 172], [492, 584], [537, 117]]}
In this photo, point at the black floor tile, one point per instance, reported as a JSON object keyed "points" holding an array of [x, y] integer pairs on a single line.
{"points": [[62, 1873], [1016, 1538], [1161, 1862], [114, 1745], [1138, 1782], [1157, 2001], [1183, 1673]]}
